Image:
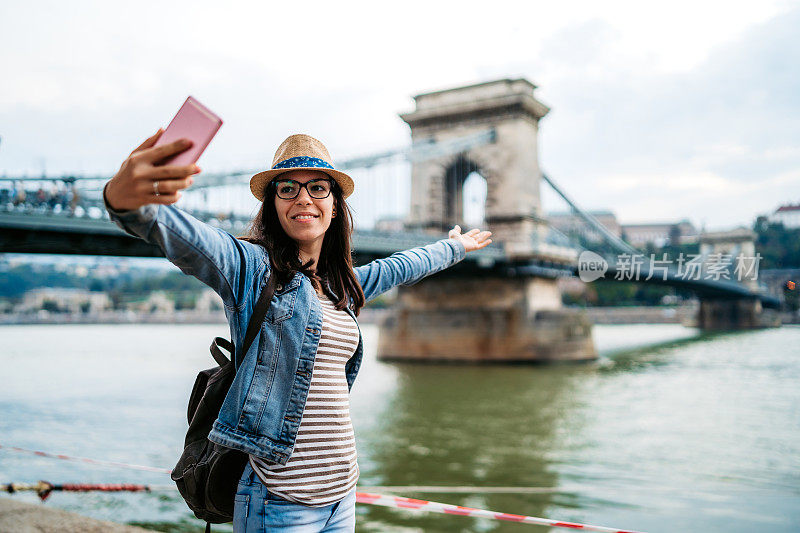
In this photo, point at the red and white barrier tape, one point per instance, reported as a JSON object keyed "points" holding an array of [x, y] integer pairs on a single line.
{"points": [[424, 505], [361, 497], [90, 461]]}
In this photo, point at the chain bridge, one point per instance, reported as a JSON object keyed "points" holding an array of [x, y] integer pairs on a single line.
{"points": [[501, 303]]}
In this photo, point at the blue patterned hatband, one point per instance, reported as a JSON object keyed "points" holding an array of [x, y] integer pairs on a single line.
{"points": [[303, 161]]}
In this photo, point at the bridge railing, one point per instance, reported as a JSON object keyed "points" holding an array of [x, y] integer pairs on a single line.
{"points": [[50, 197]]}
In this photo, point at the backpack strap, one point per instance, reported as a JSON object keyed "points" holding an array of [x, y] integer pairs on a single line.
{"points": [[253, 326], [220, 357]]}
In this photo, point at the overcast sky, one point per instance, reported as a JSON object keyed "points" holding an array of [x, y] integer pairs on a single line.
{"points": [[658, 112]]}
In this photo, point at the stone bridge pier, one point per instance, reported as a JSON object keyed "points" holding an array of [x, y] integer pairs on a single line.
{"points": [[484, 321], [471, 317], [736, 249], [724, 315]]}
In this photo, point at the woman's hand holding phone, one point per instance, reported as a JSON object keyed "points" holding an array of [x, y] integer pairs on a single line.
{"points": [[154, 173], [135, 183]]}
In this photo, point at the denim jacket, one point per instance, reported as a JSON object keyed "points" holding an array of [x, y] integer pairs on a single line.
{"points": [[262, 410]]}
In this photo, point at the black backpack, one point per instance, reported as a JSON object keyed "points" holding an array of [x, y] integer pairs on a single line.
{"points": [[207, 474]]}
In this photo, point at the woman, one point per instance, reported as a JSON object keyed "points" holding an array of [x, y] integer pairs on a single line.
{"points": [[288, 405]]}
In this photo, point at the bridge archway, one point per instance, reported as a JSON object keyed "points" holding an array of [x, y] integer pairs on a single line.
{"points": [[464, 194], [474, 203]]}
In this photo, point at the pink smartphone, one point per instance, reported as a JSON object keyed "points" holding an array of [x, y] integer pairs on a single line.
{"points": [[195, 122]]}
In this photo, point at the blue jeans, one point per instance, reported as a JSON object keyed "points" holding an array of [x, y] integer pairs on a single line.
{"points": [[256, 510]]}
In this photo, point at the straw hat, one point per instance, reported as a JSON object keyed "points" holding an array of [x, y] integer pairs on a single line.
{"points": [[300, 152]]}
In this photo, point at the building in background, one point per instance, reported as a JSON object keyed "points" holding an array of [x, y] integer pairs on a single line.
{"points": [[572, 224], [660, 234], [156, 302], [788, 215], [67, 300], [638, 235], [209, 301], [391, 224]]}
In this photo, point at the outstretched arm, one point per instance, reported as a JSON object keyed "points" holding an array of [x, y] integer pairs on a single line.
{"points": [[409, 266], [210, 254]]}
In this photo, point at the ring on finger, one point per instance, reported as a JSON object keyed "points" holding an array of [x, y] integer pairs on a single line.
{"points": [[155, 188]]}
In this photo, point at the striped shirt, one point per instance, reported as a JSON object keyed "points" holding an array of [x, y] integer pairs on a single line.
{"points": [[322, 468]]}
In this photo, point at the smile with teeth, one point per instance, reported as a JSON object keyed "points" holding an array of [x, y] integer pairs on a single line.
{"points": [[304, 217]]}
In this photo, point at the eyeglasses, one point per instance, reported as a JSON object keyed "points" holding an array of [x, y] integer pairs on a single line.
{"points": [[289, 189]]}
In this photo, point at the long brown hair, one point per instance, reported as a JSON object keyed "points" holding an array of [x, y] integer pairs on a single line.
{"points": [[335, 258]]}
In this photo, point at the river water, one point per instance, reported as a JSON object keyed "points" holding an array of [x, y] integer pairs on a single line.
{"points": [[669, 431]]}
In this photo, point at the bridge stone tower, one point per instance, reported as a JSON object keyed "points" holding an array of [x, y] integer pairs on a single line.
{"points": [[477, 316], [510, 165]]}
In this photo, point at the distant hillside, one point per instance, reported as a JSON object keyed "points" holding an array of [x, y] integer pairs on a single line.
{"points": [[17, 280]]}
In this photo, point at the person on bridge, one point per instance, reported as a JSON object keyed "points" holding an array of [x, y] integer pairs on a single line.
{"points": [[288, 407]]}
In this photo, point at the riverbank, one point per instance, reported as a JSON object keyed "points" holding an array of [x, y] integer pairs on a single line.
{"points": [[685, 315], [367, 316], [598, 315], [642, 314], [21, 517]]}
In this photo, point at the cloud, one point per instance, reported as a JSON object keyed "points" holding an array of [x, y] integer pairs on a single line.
{"points": [[697, 183], [725, 129]]}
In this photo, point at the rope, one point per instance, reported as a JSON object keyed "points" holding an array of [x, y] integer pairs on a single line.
{"points": [[44, 488]]}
